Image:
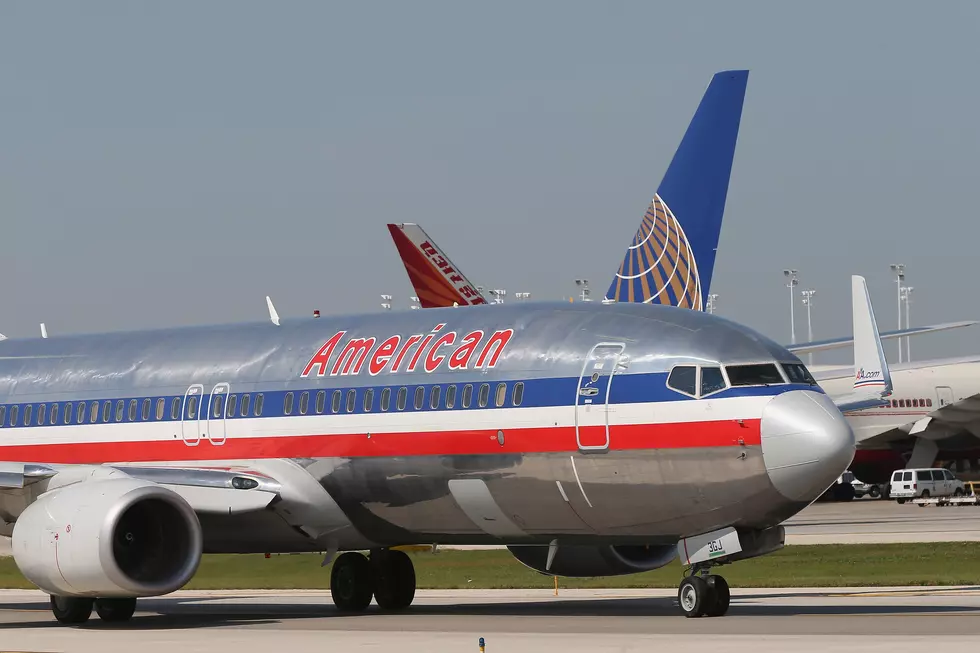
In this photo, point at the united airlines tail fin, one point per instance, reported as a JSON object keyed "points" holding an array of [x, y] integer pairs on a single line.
{"points": [[872, 378], [671, 258], [437, 281]]}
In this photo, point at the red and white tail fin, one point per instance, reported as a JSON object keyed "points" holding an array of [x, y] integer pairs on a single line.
{"points": [[438, 283]]}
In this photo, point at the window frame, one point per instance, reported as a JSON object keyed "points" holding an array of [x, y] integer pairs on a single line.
{"points": [[517, 394], [483, 397], [697, 380], [451, 396], [435, 396], [419, 400], [351, 400], [385, 399], [467, 396], [320, 403], [401, 399], [336, 401], [287, 404]]}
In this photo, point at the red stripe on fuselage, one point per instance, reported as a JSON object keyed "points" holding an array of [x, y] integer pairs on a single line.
{"points": [[729, 433]]}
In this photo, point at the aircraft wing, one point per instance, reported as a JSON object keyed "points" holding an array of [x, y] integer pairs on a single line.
{"points": [[835, 343], [437, 281], [872, 378], [206, 489]]}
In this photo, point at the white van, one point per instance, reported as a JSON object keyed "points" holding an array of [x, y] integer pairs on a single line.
{"points": [[933, 482]]}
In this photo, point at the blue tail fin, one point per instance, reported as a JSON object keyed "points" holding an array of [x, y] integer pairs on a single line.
{"points": [[672, 255]]}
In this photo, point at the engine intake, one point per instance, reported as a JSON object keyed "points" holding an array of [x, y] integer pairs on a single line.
{"points": [[589, 561], [105, 538]]}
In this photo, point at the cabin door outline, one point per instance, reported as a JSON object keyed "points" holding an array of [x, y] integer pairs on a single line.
{"points": [[592, 395]]}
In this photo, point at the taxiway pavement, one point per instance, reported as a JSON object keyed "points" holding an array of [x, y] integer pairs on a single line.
{"points": [[515, 621]]}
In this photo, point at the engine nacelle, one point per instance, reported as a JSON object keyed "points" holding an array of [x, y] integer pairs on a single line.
{"points": [[588, 561], [106, 538]]}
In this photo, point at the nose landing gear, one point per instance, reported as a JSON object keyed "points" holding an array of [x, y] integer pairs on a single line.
{"points": [[703, 595]]}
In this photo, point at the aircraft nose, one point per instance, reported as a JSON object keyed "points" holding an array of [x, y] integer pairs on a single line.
{"points": [[806, 443]]}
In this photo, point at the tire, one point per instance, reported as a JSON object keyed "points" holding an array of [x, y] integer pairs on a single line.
{"points": [[694, 596], [115, 610], [71, 610], [393, 579], [350, 582], [874, 492], [900, 501], [924, 495], [958, 492], [722, 596]]}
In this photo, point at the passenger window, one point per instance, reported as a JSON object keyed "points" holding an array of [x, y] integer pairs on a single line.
{"points": [[683, 378], [901, 403], [949, 475], [132, 410], [434, 397], [518, 393], [41, 414], [711, 380], [13, 415], [761, 374], [937, 475], [335, 401], [288, 404], [385, 400], [3, 416], [368, 400], [217, 405], [28, 413], [106, 411], [232, 406], [501, 394], [259, 404], [351, 399], [419, 397], [192, 407], [161, 408], [402, 398], [146, 409], [93, 416], [304, 403], [467, 395], [68, 413], [929, 403], [915, 403], [54, 413], [484, 395], [321, 401], [120, 409], [923, 476], [907, 476], [451, 396], [81, 412], [175, 408], [246, 400], [896, 477]]}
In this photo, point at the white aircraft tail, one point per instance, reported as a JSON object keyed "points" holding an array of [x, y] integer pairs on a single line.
{"points": [[872, 378]]}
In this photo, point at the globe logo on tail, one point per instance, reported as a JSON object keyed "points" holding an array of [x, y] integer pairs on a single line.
{"points": [[659, 267]]}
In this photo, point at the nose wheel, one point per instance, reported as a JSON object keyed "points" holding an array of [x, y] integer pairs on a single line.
{"points": [[704, 596]]}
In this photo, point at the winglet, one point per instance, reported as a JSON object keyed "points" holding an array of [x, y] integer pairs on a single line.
{"points": [[273, 315], [44, 330], [870, 367], [872, 378]]}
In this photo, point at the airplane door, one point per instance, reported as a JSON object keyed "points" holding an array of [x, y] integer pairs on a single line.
{"points": [[190, 430], [592, 396], [945, 395], [216, 424]]}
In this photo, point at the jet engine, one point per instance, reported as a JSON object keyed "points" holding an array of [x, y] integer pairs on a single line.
{"points": [[108, 538], [587, 561]]}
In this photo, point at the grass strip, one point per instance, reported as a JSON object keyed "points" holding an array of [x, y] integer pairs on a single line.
{"points": [[860, 565]]}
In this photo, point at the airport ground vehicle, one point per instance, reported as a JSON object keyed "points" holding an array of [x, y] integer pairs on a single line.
{"points": [[925, 483]]}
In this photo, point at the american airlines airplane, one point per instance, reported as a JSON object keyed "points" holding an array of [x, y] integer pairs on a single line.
{"points": [[936, 406], [590, 439]]}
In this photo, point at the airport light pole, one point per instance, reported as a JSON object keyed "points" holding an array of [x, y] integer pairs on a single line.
{"points": [[415, 303], [792, 281], [907, 297], [808, 302], [584, 285], [498, 295], [899, 270], [386, 302], [712, 301], [522, 295]]}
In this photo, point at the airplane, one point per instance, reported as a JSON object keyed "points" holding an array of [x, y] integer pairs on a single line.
{"points": [[670, 263], [591, 440]]}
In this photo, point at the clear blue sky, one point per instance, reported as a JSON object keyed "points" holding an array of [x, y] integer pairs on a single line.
{"points": [[172, 163]]}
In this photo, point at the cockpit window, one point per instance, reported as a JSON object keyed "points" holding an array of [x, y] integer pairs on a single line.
{"points": [[761, 374], [683, 378], [712, 380], [797, 373]]}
